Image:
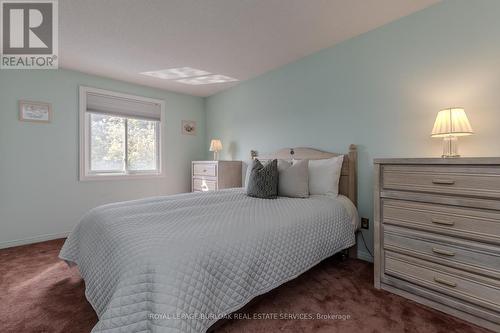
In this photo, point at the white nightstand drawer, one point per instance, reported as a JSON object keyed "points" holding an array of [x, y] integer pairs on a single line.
{"points": [[204, 185], [204, 169]]}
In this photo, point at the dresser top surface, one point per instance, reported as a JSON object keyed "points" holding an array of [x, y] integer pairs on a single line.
{"points": [[441, 161]]}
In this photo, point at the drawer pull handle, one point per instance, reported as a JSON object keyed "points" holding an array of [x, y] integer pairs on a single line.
{"points": [[450, 223], [445, 282], [204, 170], [443, 252], [443, 181]]}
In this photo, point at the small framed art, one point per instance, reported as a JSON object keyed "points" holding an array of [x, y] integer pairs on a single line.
{"points": [[189, 127], [38, 112]]}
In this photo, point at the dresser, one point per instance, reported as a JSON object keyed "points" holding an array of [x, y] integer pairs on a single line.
{"points": [[437, 234], [215, 175]]}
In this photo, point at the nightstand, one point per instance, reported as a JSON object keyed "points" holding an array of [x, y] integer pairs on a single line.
{"points": [[215, 175]]}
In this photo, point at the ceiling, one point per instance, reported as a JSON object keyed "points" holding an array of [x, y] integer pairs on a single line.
{"points": [[238, 38]]}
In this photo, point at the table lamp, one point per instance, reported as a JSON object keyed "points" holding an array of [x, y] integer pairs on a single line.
{"points": [[450, 124], [216, 146]]}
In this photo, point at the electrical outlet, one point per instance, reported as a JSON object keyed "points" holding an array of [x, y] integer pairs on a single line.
{"points": [[365, 223]]}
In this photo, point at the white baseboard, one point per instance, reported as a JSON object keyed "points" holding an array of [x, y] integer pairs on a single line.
{"points": [[31, 240], [363, 255]]}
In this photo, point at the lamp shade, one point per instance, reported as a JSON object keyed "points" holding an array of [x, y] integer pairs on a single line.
{"points": [[215, 145], [451, 122]]}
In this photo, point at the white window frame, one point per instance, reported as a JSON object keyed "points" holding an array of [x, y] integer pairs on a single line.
{"points": [[84, 126]]}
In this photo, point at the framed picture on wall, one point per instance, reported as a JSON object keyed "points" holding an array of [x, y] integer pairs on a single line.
{"points": [[38, 112], [189, 127]]}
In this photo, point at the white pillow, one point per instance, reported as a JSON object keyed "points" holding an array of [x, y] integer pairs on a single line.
{"points": [[324, 175], [293, 180]]}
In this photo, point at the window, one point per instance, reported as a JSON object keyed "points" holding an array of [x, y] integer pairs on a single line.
{"points": [[120, 135]]}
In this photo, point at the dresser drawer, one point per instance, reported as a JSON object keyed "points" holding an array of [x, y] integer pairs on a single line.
{"points": [[468, 287], [475, 224], [204, 185], [465, 255], [442, 179], [205, 169]]}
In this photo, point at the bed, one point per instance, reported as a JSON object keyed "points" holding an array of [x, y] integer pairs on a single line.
{"points": [[180, 263]]}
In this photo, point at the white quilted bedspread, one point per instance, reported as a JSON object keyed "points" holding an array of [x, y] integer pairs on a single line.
{"points": [[177, 263]]}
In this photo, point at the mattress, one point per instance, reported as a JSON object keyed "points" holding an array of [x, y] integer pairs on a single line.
{"points": [[179, 263]]}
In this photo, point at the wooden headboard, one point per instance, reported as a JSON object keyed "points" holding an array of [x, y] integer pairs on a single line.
{"points": [[348, 178]]}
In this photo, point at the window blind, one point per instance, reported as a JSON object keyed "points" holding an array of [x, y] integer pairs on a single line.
{"points": [[122, 107]]}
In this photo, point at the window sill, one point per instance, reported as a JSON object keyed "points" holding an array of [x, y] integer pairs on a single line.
{"points": [[94, 177]]}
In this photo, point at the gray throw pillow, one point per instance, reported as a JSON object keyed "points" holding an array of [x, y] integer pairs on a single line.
{"points": [[293, 179], [263, 180]]}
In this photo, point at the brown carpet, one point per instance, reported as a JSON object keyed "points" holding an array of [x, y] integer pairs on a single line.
{"points": [[39, 293]]}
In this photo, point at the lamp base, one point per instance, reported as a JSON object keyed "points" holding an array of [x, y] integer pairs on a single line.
{"points": [[216, 155], [450, 147]]}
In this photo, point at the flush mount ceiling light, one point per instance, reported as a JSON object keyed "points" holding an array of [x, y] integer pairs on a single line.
{"points": [[208, 79], [176, 73], [189, 75]]}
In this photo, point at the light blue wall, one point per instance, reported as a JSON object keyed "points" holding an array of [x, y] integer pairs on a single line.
{"points": [[380, 90], [39, 189]]}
